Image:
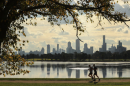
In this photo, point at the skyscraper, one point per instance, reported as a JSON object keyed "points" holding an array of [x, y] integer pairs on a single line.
{"points": [[48, 49], [85, 48], [69, 44], [54, 51], [112, 49], [104, 44], [77, 45], [120, 48], [91, 50], [42, 50], [103, 39], [57, 48], [60, 50], [103, 49], [69, 48]]}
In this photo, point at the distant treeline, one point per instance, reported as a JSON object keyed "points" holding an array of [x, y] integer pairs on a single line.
{"points": [[80, 56]]}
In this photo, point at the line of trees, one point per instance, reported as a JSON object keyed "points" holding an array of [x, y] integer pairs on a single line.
{"points": [[80, 56]]}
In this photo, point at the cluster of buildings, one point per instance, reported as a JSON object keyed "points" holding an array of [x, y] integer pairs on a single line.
{"points": [[69, 49], [119, 49], [113, 49]]}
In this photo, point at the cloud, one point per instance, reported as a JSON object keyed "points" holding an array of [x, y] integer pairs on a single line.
{"points": [[56, 39], [119, 29], [122, 29], [52, 30], [109, 41], [92, 40], [32, 46], [126, 31], [33, 34], [99, 29], [43, 44], [121, 7], [63, 33], [26, 31], [125, 42], [63, 41]]}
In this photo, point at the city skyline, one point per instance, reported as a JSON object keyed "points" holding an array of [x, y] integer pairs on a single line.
{"points": [[87, 50]]}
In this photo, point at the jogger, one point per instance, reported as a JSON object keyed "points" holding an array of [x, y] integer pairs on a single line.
{"points": [[90, 69], [95, 72]]}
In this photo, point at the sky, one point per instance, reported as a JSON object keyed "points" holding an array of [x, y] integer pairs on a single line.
{"points": [[42, 34]]}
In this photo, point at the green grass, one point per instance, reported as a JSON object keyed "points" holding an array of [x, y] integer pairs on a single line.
{"points": [[64, 84]]}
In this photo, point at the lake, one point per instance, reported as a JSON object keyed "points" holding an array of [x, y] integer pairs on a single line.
{"points": [[62, 70]]}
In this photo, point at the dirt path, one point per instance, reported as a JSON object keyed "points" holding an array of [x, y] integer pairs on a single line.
{"points": [[87, 81]]}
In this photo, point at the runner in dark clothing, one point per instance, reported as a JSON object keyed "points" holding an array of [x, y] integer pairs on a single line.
{"points": [[95, 72], [90, 69]]}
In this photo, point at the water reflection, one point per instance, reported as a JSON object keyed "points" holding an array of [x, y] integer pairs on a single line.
{"points": [[85, 73], [77, 73], [53, 67], [104, 71], [57, 69], [69, 71], [62, 70], [48, 69], [119, 71], [42, 67]]}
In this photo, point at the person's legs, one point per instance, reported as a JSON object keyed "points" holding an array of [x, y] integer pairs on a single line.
{"points": [[91, 76], [98, 77]]}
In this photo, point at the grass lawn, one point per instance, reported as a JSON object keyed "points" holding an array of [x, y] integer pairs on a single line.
{"points": [[64, 84], [57, 79]]}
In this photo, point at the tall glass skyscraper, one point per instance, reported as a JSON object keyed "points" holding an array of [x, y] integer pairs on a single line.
{"points": [[54, 51], [57, 48], [103, 49], [69, 48], [42, 50], [48, 49], [85, 48], [104, 44], [69, 44]]}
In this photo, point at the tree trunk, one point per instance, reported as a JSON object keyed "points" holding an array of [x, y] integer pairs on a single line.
{"points": [[3, 29]]}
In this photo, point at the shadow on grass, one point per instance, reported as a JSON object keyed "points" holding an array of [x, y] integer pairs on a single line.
{"points": [[96, 82], [90, 81]]}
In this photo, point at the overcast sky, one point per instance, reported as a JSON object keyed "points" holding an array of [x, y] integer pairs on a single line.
{"points": [[42, 34]]}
